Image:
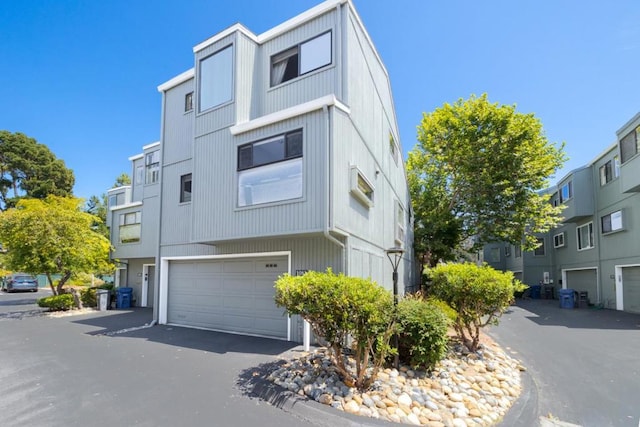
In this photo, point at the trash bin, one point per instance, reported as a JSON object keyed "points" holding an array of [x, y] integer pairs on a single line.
{"points": [[583, 299], [535, 291], [123, 299], [567, 299], [102, 299]]}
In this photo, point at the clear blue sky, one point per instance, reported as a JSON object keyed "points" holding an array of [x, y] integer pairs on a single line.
{"points": [[80, 76]]}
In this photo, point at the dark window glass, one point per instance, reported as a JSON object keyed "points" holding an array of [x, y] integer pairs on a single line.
{"points": [[277, 149]]}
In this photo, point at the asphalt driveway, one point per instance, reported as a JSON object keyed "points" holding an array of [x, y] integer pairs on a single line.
{"points": [[583, 365]]}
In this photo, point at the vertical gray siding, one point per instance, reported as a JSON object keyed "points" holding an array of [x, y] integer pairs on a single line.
{"points": [[178, 125]]}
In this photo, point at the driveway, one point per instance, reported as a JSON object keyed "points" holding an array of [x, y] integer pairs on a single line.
{"points": [[583, 365], [114, 369]]}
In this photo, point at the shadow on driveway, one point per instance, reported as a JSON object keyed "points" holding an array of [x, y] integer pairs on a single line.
{"points": [[549, 313]]}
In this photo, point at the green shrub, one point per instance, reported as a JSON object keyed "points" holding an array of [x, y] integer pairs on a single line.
{"points": [[88, 297], [340, 308], [478, 294], [57, 302], [423, 325]]}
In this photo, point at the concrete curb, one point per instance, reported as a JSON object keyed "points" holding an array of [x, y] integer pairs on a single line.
{"points": [[524, 411]]}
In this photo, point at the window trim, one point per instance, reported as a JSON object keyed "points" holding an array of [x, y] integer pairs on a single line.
{"points": [[354, 175], [612, 230], [298, 52], [188, 102], [569, 185], [592, 242], [183, 193], [559, 240]]}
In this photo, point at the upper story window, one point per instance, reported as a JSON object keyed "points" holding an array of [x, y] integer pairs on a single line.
{"points": [[539, 251], [507, 251], [585, 236], [216, 79], [555, 200], [139, 178], [301, 59], [270, 170], [630, 145], [517, 253], [558, 240], [113, 201], [566, 192], [152, 165], [400, 226], [130, 227], [609, 171], [185, 188], [361, 188], [393, 148], [611, 222], [188, 102]]}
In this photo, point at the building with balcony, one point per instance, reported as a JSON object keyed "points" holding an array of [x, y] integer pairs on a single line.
{"points": [[597, 247], [279, 153]]}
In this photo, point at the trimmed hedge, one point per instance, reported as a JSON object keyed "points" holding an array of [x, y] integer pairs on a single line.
{"points": [[61, 302]]}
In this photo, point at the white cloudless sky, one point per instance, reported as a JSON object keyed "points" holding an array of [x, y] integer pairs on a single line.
{"points": [[81, 76]]}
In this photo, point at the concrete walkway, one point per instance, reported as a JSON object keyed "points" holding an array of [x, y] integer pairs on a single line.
{"points": [[583, 365]]}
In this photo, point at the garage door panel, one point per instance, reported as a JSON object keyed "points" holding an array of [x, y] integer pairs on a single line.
{"points": [[631, 289], [228, 295], [584, 280]]}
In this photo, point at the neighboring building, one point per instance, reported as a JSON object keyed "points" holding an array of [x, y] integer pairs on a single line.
{"points": [[279, 153], [597, 247]]}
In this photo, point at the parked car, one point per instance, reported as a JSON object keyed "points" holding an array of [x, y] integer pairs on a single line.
{"points": [[20, 282]]}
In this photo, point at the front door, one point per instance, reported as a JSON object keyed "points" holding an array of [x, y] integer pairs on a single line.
{"points": [[148, 273]]}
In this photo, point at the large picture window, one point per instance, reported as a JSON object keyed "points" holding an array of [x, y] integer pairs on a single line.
{"points": [[130, 227], [216, 79], [630, 145], [270, 170], [301, 59], [611, 222], [585, 236]]}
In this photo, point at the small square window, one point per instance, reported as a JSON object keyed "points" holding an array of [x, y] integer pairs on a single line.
{"points": [[558, 240], [301, 59], [566, 192], [185, 188], [361, 188], [188, 102], [611, 222]]}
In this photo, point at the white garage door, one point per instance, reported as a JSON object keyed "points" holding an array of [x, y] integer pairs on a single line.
{"points": [[233, 295], [584, 280], [631, 289]]}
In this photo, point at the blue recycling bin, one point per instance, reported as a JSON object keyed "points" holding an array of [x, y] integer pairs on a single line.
{"points": [[567, 298], [123, 299], [535, 291]]}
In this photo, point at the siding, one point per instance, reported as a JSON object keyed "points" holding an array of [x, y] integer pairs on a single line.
{"points": [[176, 216], [178, 125]]}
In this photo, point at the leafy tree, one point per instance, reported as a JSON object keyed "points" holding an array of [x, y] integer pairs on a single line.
{"points": [[30, 169], [98, 206], [478, 294], [53, 236], [122, 180], [477, 172]]}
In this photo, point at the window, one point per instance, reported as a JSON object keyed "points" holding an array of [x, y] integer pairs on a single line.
{"points": [[611, 222], [139, 175], [539, 250], [585, 236], [399, 232], [554, 199], [185, 188], [152, 164], [361, 188], [558, 240], [517, 253], [393, 148], [270, 170], [216, 79], [188, 102], [609, 171], [130, 227], [630, 145], [566, 192], [113, 200], [301, 59], [507, 251]]}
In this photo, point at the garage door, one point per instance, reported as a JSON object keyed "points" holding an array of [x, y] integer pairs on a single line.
{"points": [[232, 295], [631, 289], [584, 280]]}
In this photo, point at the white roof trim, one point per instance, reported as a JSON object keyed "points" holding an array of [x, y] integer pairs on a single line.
{"points": [[152, 145], [136, 157], [125, 206], [287, 113], [180, 78], [224, 33], [118, 189]]}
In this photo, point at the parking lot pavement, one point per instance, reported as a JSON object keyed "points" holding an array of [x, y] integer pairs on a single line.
{"points": [[583, 363]]}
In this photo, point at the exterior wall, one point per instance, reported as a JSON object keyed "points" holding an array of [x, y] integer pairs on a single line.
{"points": [[137, 178], [133, 276]]}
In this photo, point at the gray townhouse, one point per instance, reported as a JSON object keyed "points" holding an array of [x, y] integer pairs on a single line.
{"points": [[279, 153], [597, 247]]}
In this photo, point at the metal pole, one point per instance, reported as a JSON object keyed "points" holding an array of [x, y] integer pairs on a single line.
{"points": [[396, 358]]}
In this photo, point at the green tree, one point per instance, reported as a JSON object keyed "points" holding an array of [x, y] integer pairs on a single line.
{"points": [[30, 169], [122, 180], [98, 205], [478, 172], [53, 236]]}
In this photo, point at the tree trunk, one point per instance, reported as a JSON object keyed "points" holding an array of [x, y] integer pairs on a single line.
{"points": [[62, 281], [50, 280]]}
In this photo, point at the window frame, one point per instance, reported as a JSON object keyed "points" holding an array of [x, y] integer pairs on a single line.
{"points": [[592, 244], [393, 147], [559, 240], [569, 186], [620, 223], [609, 171], [400, 227], [356, 176], [125, 222], [296, 51], [507, 251], [517, 252], [185, 196], [630, 145], [215, 103], [188, 102], [540, 250], [152, 168]]}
